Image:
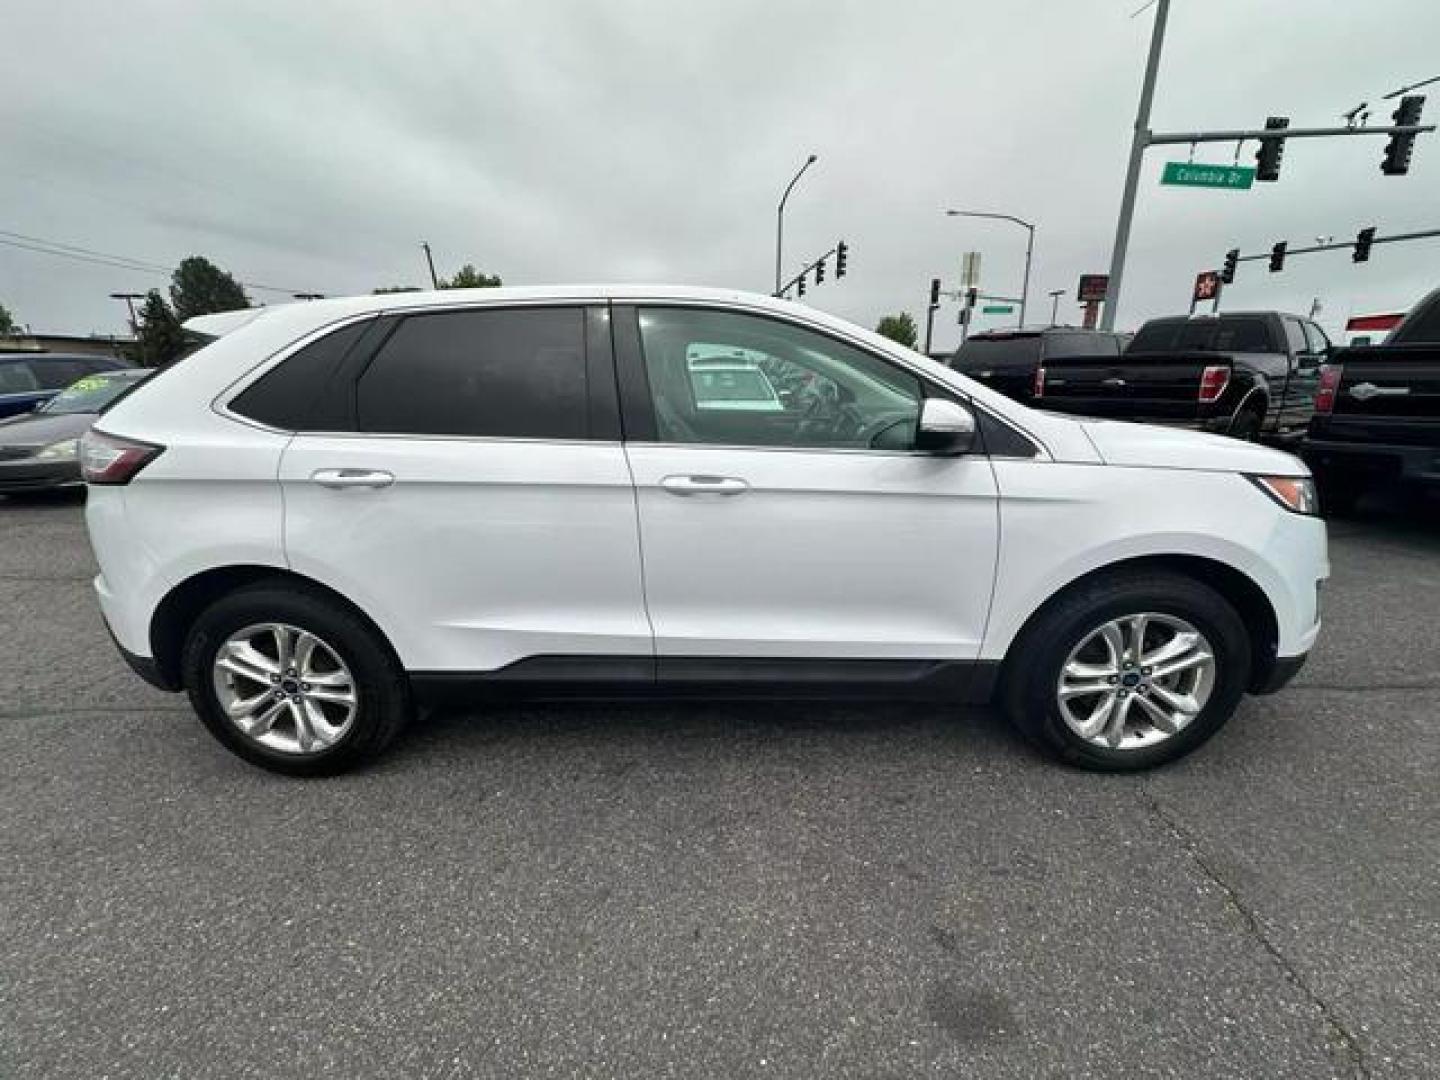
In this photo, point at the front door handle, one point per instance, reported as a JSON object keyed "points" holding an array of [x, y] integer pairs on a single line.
{"points": [[704, 485], [352, 478]]}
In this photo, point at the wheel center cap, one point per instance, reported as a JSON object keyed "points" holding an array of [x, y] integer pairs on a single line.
{"points": [[1130, 679], [290, 686]]}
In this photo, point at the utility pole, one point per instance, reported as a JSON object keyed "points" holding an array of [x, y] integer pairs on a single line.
{"points": [[1055, 295], [780, 219], [430, 262], [130, 298], [1138, 142]]}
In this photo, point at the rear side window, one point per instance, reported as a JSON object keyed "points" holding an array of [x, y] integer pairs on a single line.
{"points": [[509, 373], [1295, 336], [1316, 338], [289, 396]]}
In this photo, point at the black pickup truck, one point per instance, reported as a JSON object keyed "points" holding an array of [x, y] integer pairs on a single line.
{"points": [[1248, 374], [1377, 413]]}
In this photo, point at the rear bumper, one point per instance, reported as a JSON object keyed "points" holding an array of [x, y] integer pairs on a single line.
{"points": [[1376, 461], [144, 666]]}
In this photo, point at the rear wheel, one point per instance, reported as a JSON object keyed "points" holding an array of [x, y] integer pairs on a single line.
{"points": [[1128, 671], [294, 682]]}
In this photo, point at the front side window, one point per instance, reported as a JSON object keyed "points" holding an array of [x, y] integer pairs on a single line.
{"points": [[504, 373], [726, 378]]}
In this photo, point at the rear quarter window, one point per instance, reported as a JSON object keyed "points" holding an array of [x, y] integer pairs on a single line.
{"points": [[302, 393]]}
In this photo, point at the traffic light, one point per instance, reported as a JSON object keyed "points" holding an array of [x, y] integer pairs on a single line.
{"points": [[1363, 239], [1277, 257], [1267, 158], [1398, 150], [934, 292], [800, 285], [820, 272], [1232, 261], [841, 251]]}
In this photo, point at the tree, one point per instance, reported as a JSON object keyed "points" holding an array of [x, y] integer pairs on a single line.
{"points": [[199, 287], [8, 326], [899, 328], [159, 340], [470, 278]]}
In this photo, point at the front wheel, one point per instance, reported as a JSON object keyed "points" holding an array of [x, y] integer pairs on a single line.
{"points": [[294, 682], [1128, 671]]}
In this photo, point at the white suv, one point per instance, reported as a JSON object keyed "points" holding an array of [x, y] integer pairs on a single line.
{"points": [[341, 507]]}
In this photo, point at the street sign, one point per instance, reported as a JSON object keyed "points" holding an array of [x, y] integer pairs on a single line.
{"points": [[970, 270], [1092, 287], [1207, 286], [1188, 174], [996, 309]]}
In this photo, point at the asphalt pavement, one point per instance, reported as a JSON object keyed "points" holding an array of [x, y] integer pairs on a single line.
{"points": [[721, 890]]}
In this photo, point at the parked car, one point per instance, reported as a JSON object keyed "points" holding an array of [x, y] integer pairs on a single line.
{"points": [[1377, 412], [1009, 360], [346, 506], [31, 378], [1247, 374], [39, 449]]}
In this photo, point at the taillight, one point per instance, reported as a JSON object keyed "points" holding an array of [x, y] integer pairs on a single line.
{"points": [[1328, 388], [109, 459], [1213, 381], [1039, 388]]}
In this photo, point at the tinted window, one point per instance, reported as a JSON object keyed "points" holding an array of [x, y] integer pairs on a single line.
{"points": [[1424, 325], [1225, 334], [986, 353], [1062, 345], [827, 394], [517, 373], [17, 378], [58, 374], [289, 396]]}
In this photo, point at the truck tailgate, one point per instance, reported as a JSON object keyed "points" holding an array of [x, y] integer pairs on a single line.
{"points": [[1160, 386]]}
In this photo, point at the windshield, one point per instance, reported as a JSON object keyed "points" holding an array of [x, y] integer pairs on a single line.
{"points": [[90, 394]]}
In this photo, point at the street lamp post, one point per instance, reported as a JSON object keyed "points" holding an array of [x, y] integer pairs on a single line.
{"points": [[780, 219], [1055, 295], [1029, 246]]}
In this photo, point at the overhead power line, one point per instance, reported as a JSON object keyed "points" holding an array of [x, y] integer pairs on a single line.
{"points": [[41, 246]]}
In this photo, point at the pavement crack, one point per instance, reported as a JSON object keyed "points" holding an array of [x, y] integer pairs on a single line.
{"points": [[1341, 1043], [1358, 688]]}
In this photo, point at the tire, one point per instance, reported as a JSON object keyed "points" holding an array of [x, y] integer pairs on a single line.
{"points": [[1246, 425], [366, 691], [1037, 663]]}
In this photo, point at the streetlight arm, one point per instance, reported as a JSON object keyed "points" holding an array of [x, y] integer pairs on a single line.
{"points": [[996, 217], [791, 186]]}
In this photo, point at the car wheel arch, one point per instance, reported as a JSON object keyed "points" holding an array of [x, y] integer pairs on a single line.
{"points": [[1238, 588], [182, 605]]}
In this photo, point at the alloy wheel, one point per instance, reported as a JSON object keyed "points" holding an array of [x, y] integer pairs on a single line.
{"points": [[285, 688], [1136, 681]]}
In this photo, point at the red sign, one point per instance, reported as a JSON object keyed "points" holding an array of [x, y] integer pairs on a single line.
{"points": [[1207, 286], [1092, 287]]}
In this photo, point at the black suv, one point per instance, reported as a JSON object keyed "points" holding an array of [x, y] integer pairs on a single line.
{"points": [[1009, 360]]}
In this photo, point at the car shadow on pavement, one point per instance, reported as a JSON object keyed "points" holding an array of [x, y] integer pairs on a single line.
{"points": [[58, 499]]}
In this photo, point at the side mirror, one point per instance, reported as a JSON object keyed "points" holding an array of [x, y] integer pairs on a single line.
{"points": [[946, 428]]}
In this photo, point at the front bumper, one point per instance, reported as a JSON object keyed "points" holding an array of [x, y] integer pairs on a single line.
{"points": [[32, 475]]}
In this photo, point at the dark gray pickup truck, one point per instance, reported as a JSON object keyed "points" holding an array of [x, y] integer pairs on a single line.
{"points": [[1377, 414], [1248, 374]]}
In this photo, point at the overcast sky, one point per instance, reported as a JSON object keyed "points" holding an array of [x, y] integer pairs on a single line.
{"points": [[312, 146]]}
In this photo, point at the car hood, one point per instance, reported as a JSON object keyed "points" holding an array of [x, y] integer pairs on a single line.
{"points": [[38, 429], [1151, 446]]}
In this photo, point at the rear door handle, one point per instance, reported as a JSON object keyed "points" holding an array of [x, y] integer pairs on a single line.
{"points": [[704, 485], [352, 478]]}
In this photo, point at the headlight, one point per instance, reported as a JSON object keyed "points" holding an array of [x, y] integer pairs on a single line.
{"points": [[64, 450], [1295, 493]]}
